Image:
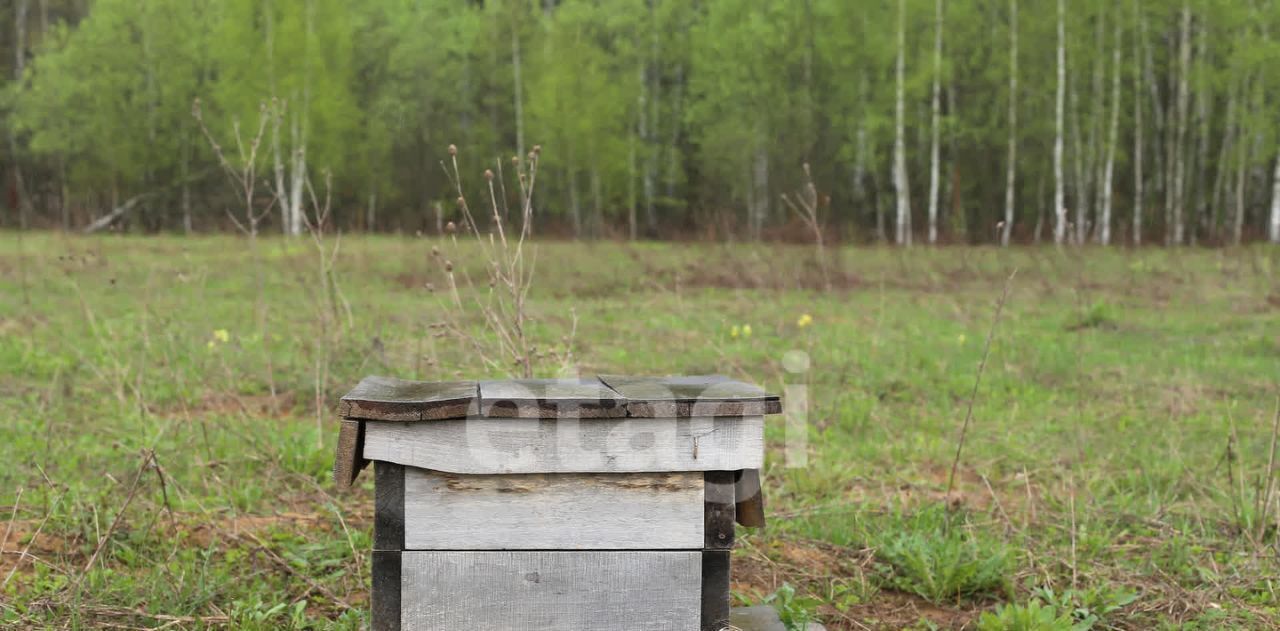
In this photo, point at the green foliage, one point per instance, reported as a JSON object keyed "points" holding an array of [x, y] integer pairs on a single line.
{"points": [[1032, 616], [796, 611], [938, 556], [1095, 454], [1088, 607], [681, 113], [1099, 315], [1049, 611]]}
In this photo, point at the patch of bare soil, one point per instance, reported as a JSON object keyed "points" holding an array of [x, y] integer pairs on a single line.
{"points": [[25, 545], [278, 407]]}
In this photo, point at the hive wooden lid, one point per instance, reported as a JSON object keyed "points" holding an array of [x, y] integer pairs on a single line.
{"points": [[697, 395], [608, 396], [391, 399]]}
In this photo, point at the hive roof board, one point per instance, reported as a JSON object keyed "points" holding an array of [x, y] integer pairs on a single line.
{"points": [[391, 399], [699, 395], [608, 396]]}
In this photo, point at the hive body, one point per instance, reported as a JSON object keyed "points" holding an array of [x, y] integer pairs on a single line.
{"points": [[556, 505]]}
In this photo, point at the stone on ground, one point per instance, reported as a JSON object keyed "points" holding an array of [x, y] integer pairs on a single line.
{"points": [[762, 618]]}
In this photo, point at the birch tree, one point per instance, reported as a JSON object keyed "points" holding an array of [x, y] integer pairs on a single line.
{"points": [[1011, 169], [663, 115], [933, 150], [1059, 203], [1139, 197], [1178, 163], [902, 232], [1104, 219], [1274, 231]]}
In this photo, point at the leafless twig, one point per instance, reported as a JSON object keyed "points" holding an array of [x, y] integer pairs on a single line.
{"points": [[804, 204], [977, 380], [510, 273]]}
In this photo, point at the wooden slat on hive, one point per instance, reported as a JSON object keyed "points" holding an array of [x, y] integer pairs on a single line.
{"points": [[348, 461], [749, 498], [388, 515], [391, 399], [574, 511], [487, 446], [715, 590], [551, 591], [384, 603], [550, 398], [718, 510], [702, 395]]}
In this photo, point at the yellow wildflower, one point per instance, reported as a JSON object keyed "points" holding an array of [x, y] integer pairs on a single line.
{"points": [[733, 332], [805, 320], [746, 330], [221, 335]]}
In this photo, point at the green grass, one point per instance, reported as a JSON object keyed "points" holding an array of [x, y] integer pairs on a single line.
{"points": [[1099, 485]]}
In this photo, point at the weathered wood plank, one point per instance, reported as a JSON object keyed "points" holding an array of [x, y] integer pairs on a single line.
{"points": [[348, 462], [391, 399], [749, 497], [384, 602], [551, 591], [715, 590], [550, 398], [704, 395], [388, 506], [569, 511], [718, 510], [485, 445]]}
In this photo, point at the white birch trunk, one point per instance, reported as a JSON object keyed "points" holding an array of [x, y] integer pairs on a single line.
{"points": [[278, 168], [933, 150], [297, 177], [1011, 169], [1179, 163], [902, 234], [1274, 232], [1079, 180], [1059, 203], [1237, 224], [1092, 155], [1104, 220], [1139, 194]]}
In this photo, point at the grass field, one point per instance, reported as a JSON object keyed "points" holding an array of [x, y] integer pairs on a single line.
{"points": [[164, 464]]}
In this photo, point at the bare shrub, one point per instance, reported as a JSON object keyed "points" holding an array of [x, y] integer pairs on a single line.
{"points": [[510, 261]]}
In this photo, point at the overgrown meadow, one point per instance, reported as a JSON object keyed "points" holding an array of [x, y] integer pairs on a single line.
{"points": [[167, 426]]}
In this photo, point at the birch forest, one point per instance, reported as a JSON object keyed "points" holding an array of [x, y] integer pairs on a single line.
{"points": [[1123, 122]]}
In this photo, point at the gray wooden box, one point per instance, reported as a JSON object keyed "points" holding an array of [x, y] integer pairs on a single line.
{"points": [[556, 505]]}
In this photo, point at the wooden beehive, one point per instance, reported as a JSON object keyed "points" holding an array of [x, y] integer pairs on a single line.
{"points": [[556, 505]]}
